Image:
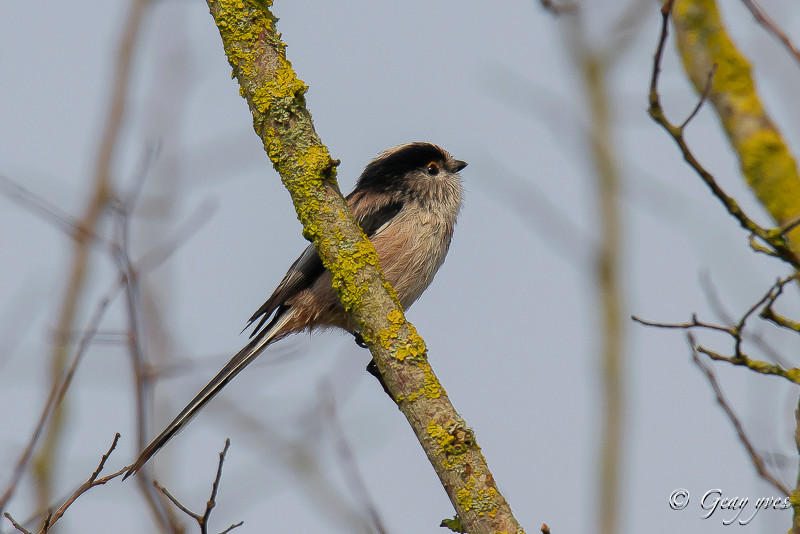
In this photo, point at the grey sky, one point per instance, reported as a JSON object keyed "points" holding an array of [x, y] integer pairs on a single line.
{"points": [[509, 321]]}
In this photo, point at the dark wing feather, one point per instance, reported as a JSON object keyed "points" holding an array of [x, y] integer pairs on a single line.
{"points": [[303, 272], [371, 212], [372, 222]]}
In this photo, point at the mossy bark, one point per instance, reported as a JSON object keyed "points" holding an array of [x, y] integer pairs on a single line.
{"points": [[767, 163], [277, 101]]}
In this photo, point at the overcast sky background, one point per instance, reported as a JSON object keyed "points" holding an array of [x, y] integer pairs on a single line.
{"points": [[510, 321]]}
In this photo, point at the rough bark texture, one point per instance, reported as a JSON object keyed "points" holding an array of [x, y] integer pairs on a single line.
{"points": [[276, 99]]}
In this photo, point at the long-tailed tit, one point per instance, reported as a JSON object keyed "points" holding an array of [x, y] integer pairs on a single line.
{"points": [[406, 202]]}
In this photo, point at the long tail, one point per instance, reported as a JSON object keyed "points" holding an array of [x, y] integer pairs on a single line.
{"points": [[241, 360]]}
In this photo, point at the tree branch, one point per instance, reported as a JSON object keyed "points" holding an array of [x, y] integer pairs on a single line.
{"points": [[776, 238], [765, 159], [770, 25], [755, 458], [276, 99], [202, 520]]}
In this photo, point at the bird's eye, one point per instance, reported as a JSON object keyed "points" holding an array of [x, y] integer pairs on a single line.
{"points": [[433, 168]]}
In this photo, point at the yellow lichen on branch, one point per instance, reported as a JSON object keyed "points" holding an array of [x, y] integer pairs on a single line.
{"points": [[766, 161], [276, 98]]}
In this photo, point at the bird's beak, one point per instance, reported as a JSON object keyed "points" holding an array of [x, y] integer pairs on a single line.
{"points": [[458, 164]]}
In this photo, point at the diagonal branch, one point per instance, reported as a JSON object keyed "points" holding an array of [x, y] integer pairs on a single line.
{"points": [[758, 461], [765, 159], [772, 27], [276, 99], [776, 238]]}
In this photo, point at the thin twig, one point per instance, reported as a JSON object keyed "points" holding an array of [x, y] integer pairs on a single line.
{"points": [[694, 323], [17, 525], [298, 459], [737, 333], [101, 195], [47, 211], [703, 97], [769, 296], [789, 225], [756, 338], [86, 486], [233, 526], [212, 500], [770, 25], [755, 458], [768, 312], [177, 503], [761, 367], [142, 383], [202, 520]]}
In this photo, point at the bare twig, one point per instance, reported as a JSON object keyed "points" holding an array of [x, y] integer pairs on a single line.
{"points": [[789, 225], [719, 309], [50, 517], [761, 367], [177, 503], [769, 296], [17, 525], [86, 486], [298, 458], [142, 383], [202, 520], [768, 312], [755, 458], [737, 333], [233, 526], [152, 259], [101, 195], [46, 210], [773, 28], [693, 323], [703, 98], [212, 500]]}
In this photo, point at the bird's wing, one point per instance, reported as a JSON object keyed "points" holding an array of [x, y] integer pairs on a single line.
{"points": [[373, 212], [371, 215], [303, 272]]}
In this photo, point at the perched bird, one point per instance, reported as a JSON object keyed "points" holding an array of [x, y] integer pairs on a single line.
{"points": [[406, 202]]}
